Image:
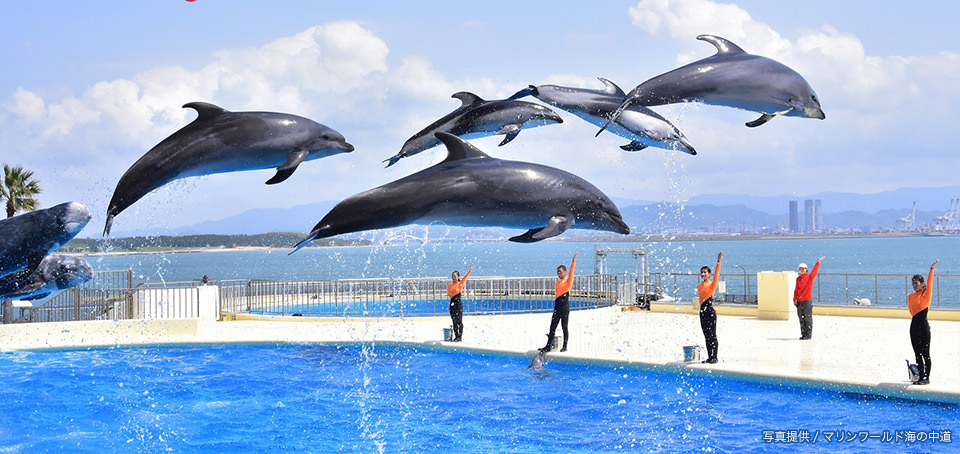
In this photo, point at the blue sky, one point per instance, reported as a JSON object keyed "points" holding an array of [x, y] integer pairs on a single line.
{"points": [[88, 87]]}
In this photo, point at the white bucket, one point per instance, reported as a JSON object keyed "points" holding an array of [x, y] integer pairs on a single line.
{"points": [[913, 372], [691, 353], [448, 334]]}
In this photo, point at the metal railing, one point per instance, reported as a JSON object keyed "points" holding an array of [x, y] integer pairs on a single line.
{"points": [[110, 295], [408, 297], [881, 289]]}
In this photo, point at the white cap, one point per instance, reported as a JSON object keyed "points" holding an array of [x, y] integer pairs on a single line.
{"points": [[803, 265]]}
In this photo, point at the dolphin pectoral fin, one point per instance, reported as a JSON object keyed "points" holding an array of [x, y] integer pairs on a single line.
{"points": [[633, 146], [34, 262], [555, 226], [509, 137], [759, 121], [287, 168]]}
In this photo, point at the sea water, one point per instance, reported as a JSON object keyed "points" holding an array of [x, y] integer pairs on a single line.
{"points": [[867, 256], [390, 398]]}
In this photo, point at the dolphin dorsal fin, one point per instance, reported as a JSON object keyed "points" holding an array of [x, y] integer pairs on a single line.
{"points": [[458, 149], [467, 98], [724, 46], [611, 88], [205, 110]]}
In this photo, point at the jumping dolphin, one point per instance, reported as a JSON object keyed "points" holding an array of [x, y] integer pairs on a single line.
{"points": [[478, 118], [733, 78], [644, 127], [470, 188], [27, 238], [221, 141], [56, 272]]}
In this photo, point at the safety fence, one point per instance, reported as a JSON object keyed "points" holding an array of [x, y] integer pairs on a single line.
{"points": [[408, 297], [110, 295], [887, 290]]}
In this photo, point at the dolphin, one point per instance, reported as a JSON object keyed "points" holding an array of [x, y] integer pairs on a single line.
{"points": [[221, 141], [478, 118], [470, 188], [27, 238], [539, 361], [732, 78], [644, 127], [56, 272]]}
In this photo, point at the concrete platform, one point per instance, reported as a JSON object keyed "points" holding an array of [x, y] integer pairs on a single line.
{"points": [[846, 353]]}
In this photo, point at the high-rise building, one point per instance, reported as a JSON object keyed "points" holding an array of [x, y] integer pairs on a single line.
{"points": [[812, 216], [794, 216]]}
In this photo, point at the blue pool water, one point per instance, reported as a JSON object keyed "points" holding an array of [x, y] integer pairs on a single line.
{"points": [[390, 398]]}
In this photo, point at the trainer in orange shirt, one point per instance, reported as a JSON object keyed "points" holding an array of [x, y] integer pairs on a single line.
{"points": [[708, 316], [561, 305], [454, 289], [918, 303]]}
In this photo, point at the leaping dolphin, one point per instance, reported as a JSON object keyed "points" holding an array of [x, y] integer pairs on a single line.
{"points": [[470, 188], [732, 78], [27, 238], [478, 118], [644, 127], [56, 272], [220, 141]]}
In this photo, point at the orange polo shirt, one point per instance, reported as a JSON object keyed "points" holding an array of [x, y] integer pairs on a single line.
{"points": [[564, 285], [918, 301], [453, 288], [705, 290]]}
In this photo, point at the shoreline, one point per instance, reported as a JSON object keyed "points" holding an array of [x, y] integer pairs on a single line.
{"points": [[604, 239]]}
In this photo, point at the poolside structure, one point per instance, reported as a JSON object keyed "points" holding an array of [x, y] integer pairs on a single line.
{"points": [[855, 349]]}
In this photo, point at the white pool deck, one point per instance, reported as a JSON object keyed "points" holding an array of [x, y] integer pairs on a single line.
{"points": [[854, 354]]}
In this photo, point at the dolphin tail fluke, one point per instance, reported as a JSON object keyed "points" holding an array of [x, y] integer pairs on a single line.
{"points": [[759, 121], [616, 114], [313, 235], [393, 159], [108, 225], [529, 91]]}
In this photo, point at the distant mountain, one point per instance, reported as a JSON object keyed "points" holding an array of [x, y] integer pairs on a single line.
{"points": [[729, 212], [928, 199]]}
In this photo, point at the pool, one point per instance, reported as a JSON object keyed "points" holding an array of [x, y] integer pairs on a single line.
{"points": [[398, 398]]}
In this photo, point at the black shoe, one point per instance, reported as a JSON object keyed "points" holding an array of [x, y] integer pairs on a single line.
{"points": [[803, 338], [563, 349], [710, 361], [923, 382], [544, 349]]}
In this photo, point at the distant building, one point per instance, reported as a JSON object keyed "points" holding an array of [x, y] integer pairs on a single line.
{"points": [[812, 216], [794, 217]]}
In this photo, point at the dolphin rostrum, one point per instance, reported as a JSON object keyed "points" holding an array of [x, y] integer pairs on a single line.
{"points": [[732, 78], [644, 127], [220, 141], [539, 361], [478, 118], [56, 272], [27, 238], [470, 188]]}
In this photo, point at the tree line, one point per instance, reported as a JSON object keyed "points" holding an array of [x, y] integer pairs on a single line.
{"points": [[136, 243]]}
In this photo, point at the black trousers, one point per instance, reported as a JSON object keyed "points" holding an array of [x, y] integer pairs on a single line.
{"points": [[561, 314], [805, 314], [708, 323], [456, 313], [920, 338]]}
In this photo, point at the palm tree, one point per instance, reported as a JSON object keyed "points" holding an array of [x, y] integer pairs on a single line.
{"points": [[19, 189]]}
